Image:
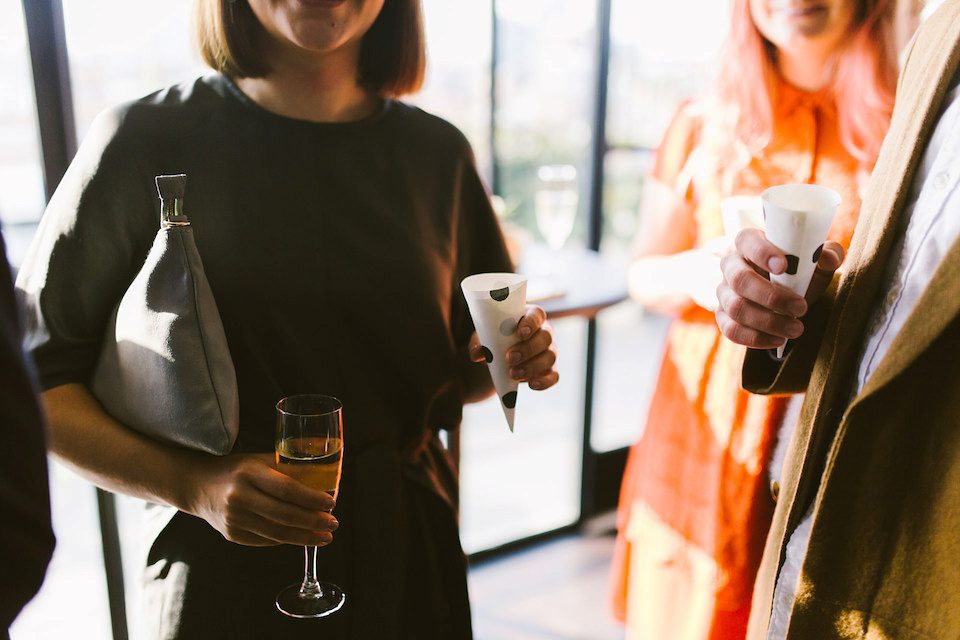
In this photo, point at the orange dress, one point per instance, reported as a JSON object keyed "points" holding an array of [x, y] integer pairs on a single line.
{"points": [[695, 501]]}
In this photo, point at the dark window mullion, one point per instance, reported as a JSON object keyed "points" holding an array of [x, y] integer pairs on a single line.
{"points": [[594, 231], [51, 81]]}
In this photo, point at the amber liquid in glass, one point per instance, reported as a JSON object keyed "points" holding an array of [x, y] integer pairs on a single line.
{"points": [[314, 461]]}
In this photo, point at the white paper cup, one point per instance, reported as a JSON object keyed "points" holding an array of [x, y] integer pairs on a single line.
{"points": [[796, 219], [497, 302], [741, 212]]}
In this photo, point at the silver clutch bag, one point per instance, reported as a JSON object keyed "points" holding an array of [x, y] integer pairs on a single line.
{"points": [[165, 368]]}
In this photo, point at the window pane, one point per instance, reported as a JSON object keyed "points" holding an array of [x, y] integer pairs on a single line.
{"points": [[121, 50], [516, 485], [546, 69], [73, 600], [659, 57], [629, 341], [513, 485], [520, 484], [457, 85], [118, 51], [21, 172]]}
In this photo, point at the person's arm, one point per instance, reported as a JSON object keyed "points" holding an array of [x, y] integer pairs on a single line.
{"points": [[240, 495], [92, 239], [26, 531], [481, 249], [669, 274]]}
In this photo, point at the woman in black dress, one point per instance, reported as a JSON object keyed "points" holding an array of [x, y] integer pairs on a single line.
{"points": [[335, 224]]}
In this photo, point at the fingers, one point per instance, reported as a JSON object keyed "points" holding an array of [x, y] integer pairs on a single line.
{"points": [[287, 501], [831, 257], [755, 312], [746, 331], [742, 280], [532, 320], [251, 503], [752, 245], [830, 260], [533, 359], [751, 310], [257, 514], [246, 526], [288, 490], [475, 349]]}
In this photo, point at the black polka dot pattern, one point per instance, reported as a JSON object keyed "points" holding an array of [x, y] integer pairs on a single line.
{"points": [[793, 262], [816, 254], [487, 354], [509, 399], [500, 294]]}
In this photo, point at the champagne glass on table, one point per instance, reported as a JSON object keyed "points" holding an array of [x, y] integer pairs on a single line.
{"points": [[309, 447], [555, 203], [555, 207]]}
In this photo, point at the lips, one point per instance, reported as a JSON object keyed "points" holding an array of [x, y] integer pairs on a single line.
{"points": [[809, 19], [322, 4]]}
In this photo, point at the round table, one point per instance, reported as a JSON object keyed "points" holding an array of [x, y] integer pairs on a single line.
{"points": [[571, 281]]}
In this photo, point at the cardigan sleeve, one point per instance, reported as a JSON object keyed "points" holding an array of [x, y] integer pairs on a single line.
{"points": [[764, 374]]}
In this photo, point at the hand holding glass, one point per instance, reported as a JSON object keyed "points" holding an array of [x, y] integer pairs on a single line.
{"points": [[309, 448]]}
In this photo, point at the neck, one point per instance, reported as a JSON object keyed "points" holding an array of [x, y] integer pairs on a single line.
{"points": [[310, 87], [807, 70]]}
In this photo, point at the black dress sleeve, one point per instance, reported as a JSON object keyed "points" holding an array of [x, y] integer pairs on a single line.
{"points": [[91, 241], [480, 244]]}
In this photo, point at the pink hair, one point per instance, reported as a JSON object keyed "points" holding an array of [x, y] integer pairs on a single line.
{"points": [[863, 86]]}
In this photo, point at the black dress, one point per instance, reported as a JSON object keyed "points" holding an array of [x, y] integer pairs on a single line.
{"points": [[335, 253]]}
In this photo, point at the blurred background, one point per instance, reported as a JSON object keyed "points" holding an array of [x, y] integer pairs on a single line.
{"points": [[589, 84]]}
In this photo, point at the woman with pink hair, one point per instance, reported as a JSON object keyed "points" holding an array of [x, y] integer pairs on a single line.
{"points": [[804, 95]]}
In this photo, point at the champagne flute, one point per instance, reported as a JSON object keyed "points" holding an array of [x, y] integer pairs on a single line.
{"points": [[309, 447], [555, 208], [555, 203]]}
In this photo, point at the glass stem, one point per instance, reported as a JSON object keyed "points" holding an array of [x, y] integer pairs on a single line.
{"points": [[310, 587]]}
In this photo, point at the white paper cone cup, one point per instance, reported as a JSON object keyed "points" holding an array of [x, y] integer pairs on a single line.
{"points": [[797, 218], [741, 212], [497, 302]]}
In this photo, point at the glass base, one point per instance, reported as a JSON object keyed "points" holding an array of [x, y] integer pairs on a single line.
{"points": [[329, 599]]}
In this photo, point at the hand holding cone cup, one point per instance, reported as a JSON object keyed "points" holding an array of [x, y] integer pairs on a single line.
{"points": [[797, 218], [506, 326]]}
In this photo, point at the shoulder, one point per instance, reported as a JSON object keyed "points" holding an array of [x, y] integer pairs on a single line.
{"points": [[689, 124], [429, 130], [124, 142], [157, 112], [690, 115], [138, 131], [682, 136]]}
